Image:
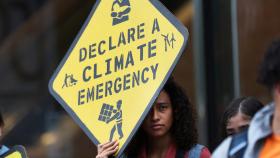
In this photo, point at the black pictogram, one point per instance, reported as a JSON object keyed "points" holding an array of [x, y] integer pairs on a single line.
{"points": [[120, 11], [108, 114], [169, 41], [69, 81]]}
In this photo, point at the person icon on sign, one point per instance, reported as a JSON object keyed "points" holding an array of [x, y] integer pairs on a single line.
{"points": [[118, 118], [65, 84], [73, 81], [120, 10], [69, 81]]}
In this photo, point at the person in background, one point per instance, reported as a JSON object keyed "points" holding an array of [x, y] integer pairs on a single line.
{"points": [[263, 136], [168, 131], [239, 114], [3, 148]]}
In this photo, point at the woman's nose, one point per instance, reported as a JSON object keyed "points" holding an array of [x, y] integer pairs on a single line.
{"points": [[154, 115]]}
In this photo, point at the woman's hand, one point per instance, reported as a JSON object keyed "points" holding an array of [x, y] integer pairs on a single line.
{"points": [[107, 149]]}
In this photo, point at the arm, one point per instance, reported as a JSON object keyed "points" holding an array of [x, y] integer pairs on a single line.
{"points": [[114, 117], [126, 11], [205, 153]]}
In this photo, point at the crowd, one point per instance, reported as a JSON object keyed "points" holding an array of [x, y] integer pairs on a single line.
{"points": [[249, 128]]}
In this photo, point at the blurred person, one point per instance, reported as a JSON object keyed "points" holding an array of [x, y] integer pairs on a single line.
{"points": [[3, 148], [263, 136], [168, 131], [239, 114]]}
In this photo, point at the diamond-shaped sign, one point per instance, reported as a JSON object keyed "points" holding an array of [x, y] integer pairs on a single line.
{"points": [[116, 67], [17, 151]]}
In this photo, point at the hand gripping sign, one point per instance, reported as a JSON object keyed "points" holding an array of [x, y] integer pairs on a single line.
{"points": [[116, 67], [17, 151]]}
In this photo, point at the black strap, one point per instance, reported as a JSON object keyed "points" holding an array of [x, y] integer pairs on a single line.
{"points": [[180, 153], [238, 145]]}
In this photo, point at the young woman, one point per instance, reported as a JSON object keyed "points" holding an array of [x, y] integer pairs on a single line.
{"points": [[168, 131], [238, 115]]}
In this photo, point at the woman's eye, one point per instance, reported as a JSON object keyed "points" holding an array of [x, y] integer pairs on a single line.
{"points": [[162, 107], [244, 127], [230, 132]]}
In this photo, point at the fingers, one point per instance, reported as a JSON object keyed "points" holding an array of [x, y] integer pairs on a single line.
{"points": [[107, 149], [112, 150], [107, 145], [100, 147]]}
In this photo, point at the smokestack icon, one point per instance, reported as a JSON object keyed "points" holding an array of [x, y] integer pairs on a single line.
{"points": [[120, 10]]}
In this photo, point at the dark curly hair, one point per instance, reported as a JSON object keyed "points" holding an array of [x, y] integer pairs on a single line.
{"points": [[184, 124], [246, 105], [1, 120], [269, 72], [183, 129]]}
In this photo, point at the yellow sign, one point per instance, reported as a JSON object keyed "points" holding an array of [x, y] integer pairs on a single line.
{"points": [[15, 152], [117, 66]]}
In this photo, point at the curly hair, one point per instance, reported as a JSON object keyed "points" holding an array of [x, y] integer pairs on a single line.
{"points": [[1, 120], [183, 129], [246, 105], [269, 72]]}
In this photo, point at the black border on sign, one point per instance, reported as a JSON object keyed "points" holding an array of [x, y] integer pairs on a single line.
{"points": [[17, 148], [173, 20]]}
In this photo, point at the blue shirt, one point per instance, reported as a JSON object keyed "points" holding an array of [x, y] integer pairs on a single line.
{"points": [[3, 149]]}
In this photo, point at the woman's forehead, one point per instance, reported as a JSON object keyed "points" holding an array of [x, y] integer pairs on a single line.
{"points": [[163, 96]]}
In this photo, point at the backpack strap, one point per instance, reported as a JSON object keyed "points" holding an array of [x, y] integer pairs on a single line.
{"points": [[238, 145], [180, 153], [195, 151], [3, 149]]}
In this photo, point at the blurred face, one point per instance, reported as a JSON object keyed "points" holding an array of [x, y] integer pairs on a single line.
{"points": [[160, 118], [237, 123]]}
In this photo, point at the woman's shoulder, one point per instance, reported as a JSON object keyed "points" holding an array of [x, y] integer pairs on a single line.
{"points": [[205, 153], [222, 149], [198, 151]]}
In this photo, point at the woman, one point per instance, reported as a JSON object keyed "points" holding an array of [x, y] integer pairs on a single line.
{"points": [[169, 130], [238, 115]]}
